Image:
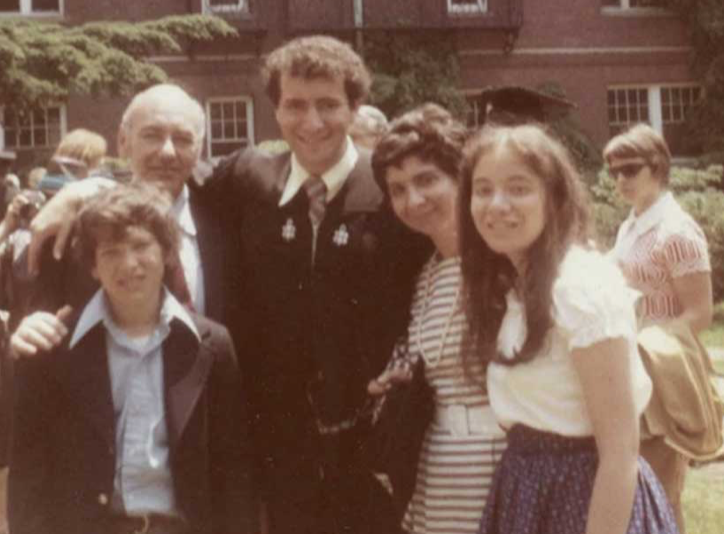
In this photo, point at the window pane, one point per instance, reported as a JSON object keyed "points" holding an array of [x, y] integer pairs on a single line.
{"points": [[54, 115], [40, 139], [229, 130], [54, 136], [46, 5], [223, 149], [11, 139], [466, 6], [215, 111], [215, 130], [39, 118], [26, 139], [223, 2], [8, 6]]}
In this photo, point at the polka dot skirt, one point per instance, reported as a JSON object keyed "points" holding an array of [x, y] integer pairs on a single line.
{"points": [[544, 482]]}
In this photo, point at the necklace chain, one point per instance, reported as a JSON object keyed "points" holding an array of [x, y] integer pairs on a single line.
{"points": [[432, 361]]}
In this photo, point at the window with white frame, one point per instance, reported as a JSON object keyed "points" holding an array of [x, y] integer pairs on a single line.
{"points": [[31, 7], [634, 4], [229, 125], [41, 128], [467, 7], [663, 106], [226, 6]]}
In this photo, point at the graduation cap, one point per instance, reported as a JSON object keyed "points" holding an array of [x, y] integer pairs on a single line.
{"points": [[517, 104]]}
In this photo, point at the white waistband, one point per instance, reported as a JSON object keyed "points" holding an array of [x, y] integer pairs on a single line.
{"points": [[462, 420]]}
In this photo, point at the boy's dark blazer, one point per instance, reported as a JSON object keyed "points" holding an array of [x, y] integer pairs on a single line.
{"points": [[63, 455]]}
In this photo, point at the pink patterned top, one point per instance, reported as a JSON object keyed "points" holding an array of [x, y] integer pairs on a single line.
{"points": [[652, 249]]}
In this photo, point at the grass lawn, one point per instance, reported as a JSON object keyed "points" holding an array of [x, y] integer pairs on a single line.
{"points": [[704, 500], [714, 336]]}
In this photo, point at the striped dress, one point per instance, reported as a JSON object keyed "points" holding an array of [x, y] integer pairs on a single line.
{"points": [[455, 469]]}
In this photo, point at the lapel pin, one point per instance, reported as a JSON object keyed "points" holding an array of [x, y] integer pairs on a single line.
{"points": [[341, 236], [289, 231]]}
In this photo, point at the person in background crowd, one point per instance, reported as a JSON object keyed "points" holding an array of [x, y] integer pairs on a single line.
{"points": [[9, 185], [134, 423], [663, 254], [80, 153], [417, 163], [369, 125], [556, 323], [35, 175]]}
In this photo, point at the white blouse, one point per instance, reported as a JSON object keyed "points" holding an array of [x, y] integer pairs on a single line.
{"points": [[591, 303]]}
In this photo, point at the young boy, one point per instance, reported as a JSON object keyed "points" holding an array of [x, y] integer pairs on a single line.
{"points": [[135, 422]]}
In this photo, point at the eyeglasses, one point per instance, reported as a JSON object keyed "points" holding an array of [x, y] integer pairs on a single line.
{"points": [[628, 170]]}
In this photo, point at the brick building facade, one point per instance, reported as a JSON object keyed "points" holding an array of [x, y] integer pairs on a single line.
{"points": [[620, 60]]}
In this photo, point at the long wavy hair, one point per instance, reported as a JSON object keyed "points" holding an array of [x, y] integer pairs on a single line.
{"points": [[489, 276]]}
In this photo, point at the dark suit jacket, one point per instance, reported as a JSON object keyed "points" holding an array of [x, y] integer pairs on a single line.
{"points": [[67, 282], [316, 332], [63, 455]]}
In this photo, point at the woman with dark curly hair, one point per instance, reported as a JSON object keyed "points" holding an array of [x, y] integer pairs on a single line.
{"points": [[417, 164], [555, 323]]}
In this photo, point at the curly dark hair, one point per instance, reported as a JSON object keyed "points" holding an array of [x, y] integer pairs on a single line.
{"points": [[429, 132], [109, 214], [317, 56], [488, 276]]}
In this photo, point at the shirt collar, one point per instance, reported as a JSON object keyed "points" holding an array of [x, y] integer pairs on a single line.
{"points": [[653, 215], [334, 178], [181, 212], [96, 311]]}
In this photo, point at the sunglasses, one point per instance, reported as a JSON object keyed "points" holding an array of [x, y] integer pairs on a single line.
{"points": [[628, 170]]}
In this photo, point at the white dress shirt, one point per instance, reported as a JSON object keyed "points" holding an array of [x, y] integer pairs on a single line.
{"points": [[143, 481], [189, 252], [334, 178]]}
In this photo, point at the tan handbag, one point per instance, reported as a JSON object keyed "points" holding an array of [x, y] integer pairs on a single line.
{"points": [[686, 407]]}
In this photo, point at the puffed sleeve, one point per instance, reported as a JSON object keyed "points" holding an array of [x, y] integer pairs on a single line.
{"points": [[685, 249], [591, 300]]}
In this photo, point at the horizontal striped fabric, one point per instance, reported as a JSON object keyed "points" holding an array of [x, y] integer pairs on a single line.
{"points": [[454, 472]]}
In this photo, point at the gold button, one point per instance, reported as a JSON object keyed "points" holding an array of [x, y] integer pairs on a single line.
{"points": [[102, 499]]}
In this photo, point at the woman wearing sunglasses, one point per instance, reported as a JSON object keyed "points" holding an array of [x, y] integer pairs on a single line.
{"points": [[663, 254]]}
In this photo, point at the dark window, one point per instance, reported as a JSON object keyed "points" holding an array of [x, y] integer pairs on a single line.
{"points": [[9, 6]]}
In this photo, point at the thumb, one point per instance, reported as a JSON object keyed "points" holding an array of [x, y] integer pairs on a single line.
{"points": [[63, 314]]}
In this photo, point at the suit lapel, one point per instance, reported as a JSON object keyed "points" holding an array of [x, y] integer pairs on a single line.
{"points": [[211, 249], [360, 192], [186, 365], [84, 372]]}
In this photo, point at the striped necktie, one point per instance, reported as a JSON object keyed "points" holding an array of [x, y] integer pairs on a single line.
{"points": [[317, 193]]}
